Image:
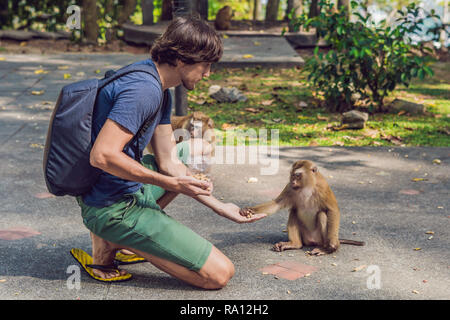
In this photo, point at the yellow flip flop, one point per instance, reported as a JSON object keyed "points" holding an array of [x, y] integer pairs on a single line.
{"points": [[85, 260], [128, 258]]}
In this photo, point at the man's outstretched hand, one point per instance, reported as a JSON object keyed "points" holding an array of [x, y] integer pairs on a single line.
{"points": [[231, 211]]}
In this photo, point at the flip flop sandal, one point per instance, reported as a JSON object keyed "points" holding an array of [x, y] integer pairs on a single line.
{"points": [[128, 258], [85, 260]]}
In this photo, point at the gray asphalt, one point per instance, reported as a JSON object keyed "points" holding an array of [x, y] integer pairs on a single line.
{"points": [[380, 204]]}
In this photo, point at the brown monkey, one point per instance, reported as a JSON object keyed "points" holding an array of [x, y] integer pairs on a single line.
{"points": [[314, 213], [223, 18], [197, 125]]}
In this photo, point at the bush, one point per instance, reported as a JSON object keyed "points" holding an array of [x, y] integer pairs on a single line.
{"points": [[365, 61]]}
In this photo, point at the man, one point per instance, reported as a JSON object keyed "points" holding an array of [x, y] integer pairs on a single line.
{"points": [[123, 210]]}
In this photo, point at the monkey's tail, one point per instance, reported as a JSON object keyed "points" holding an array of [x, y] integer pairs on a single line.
{"points": [[352, 242]]}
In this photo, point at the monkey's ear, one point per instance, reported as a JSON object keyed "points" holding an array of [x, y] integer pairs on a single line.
{"points": [[314, 169]]}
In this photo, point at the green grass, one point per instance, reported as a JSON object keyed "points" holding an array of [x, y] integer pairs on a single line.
{"points": [[273, 103]]}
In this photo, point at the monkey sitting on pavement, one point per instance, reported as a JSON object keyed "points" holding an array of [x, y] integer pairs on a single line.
{"points": [[313, 211]]}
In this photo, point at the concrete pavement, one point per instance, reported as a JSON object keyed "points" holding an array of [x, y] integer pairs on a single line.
{"points": [[389, 197]]}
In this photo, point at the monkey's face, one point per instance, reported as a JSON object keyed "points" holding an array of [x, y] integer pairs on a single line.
{"points": [[199, 125], [303, 174]]}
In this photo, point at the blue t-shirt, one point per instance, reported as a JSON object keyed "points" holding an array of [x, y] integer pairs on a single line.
{"points": [[128, 101]]}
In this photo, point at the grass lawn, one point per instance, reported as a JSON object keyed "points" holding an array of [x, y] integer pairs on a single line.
{"points": [[277, 99]]}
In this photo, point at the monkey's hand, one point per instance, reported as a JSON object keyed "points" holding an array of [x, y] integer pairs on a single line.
{"points": [[233, 212]]}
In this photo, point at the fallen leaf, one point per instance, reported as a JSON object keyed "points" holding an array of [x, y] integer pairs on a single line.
{"points": [[429, 232], [409, 192], [417, 249], [36, 145], [80, 74], [247, 56], [319, 117], [313, 144], [415, 292], [288, 291], [266, 102], [256, 43], [2, 58], [97, 71], [401, 112], [63, 67], [40, 71], [393, 139], [67, 76], [37, 93], [225, 36], [437, 161], [252, 180], [418, 179], [430, 237], [359, 268], [23, 44], [334, 264], [253, 110]]}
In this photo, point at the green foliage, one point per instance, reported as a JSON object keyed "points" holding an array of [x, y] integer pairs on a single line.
{"points": [[365, 61], [43, 15]]}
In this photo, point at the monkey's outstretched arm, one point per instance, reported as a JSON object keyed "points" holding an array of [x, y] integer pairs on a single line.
{"points": [[270, 207]]}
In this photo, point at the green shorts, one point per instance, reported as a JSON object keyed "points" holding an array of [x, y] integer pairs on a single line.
{"points": [[136, 221]]}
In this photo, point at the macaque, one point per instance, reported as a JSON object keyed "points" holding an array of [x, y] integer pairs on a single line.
{"points": [[200, 129], [223, 18], [314, 213]]}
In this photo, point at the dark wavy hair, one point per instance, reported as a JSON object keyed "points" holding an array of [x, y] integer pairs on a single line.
{"points": [[189, 39]]}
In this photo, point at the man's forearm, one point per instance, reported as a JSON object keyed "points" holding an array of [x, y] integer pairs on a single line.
{"points": [[180, 169], [211, 202], [122, 166]]}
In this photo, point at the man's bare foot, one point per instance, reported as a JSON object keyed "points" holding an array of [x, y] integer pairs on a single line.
{"points": [[103, 253], [127, 252]]}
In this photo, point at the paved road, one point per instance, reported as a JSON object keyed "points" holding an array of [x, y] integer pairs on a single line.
{"points": [[380, 204]]}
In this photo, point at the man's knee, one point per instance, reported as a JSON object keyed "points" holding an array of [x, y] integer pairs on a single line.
{"points": [[222, 273]]}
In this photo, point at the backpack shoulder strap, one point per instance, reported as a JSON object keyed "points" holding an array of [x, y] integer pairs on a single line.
{"points": [[128, 69]]}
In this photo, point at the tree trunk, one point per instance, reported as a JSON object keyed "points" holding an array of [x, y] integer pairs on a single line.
{"points": [[272, 10], [4, 13], [256, 9], [291, 4], [109, 8], [201, 7], [346, 5], [444, 35], [166, 10], [127, 7], [313, 9], [89, 14]]}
